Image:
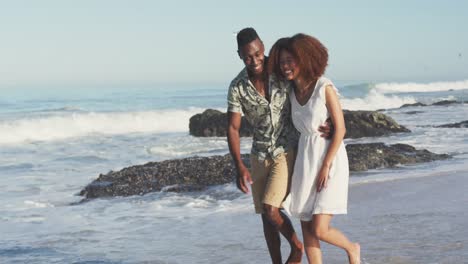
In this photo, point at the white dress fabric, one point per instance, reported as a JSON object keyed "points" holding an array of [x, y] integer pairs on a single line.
{"points": [[303, 200]]}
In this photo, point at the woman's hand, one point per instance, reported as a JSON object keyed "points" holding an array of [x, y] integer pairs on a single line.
{"points": [[322, 177]]}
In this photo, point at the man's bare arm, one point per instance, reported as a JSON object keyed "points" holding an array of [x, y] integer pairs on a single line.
{"points": [[327, 129], [233, 135]]}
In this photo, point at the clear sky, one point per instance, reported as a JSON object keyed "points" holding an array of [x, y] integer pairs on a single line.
{"points": [[112, 41]]}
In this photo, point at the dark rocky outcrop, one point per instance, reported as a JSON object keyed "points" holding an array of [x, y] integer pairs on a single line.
{"points": [[462, 124], [413, 112], [415, 104], [446, 102], [188, 174], [370, 124], [378, 155], [439, 103], [196, 173], [213, 123]]}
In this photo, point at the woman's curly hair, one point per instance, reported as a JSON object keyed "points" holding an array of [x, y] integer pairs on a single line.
{"points": [[310, 54]]}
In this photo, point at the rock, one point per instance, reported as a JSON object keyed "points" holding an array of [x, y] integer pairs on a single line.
{"points": [[413, 112], [415, 104], [443, 102], [462, 124], [370, 124], [197, 173], [178, 175], [446, 102], [213, 123], [378, 155]]}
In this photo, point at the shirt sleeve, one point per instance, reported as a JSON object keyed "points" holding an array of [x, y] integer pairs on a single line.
{"points": [[233, 98]]}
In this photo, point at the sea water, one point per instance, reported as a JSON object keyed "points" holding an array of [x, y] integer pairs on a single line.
{"points": [[56, 139]]}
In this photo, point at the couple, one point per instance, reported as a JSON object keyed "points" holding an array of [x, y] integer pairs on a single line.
{"points": [[278, 95]]}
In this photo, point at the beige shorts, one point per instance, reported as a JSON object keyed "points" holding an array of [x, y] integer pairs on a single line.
{"points": [[271, 179]]}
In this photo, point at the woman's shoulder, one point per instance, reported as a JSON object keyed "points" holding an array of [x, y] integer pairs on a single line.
{"points": [[322, 83]]}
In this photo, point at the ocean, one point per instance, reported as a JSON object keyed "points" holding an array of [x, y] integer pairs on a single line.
{"points": [[55, 140]]}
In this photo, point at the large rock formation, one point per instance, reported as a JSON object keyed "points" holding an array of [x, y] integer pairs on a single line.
{"points": [[213, 123], [370, 124], [188, 174], [378, 155], [196, 173]]}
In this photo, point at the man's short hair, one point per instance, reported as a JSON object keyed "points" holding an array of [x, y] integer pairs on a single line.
{"points": [[245, 36]]}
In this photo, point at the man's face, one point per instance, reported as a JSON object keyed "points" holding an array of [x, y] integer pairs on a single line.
{"points": [[253, 56]]}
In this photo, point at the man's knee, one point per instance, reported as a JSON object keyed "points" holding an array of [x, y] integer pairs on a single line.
{"points": [[271, 213]]}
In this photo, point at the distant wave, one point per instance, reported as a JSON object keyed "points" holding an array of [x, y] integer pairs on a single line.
{"points": [[82, 159], [62, 109], [21, 166], [83, 124], [391, 95], [376, 100], [421, 87]]}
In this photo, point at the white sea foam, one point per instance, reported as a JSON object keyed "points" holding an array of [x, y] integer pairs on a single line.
{"points": [[189, 146], [83, 124], [421, 87], [36, 204], [376, 100]]}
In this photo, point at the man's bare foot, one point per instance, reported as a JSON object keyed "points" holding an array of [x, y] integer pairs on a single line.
{"points": [[296, 255], [354, 256]]}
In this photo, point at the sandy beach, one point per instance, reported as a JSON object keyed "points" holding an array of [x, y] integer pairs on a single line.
{"points": [[415, 220], [410, 220]]}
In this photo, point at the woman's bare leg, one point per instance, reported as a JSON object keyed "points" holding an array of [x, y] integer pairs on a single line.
{"points": [[323, 231], [311, 243]]}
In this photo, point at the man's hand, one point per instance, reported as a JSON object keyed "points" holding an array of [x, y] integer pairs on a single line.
{"points": [[327, 129], [243, 178]]}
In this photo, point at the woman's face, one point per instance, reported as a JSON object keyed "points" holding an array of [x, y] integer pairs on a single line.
{"points": [[288, 65]]}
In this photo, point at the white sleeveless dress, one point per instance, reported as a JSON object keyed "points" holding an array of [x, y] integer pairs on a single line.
{"points": [[303, 200]]}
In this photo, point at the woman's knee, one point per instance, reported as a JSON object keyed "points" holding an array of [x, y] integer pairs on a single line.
{"points": [[319, 232]]}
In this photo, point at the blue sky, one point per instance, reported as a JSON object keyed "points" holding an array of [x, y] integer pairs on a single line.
{"points": [[112, 41]]}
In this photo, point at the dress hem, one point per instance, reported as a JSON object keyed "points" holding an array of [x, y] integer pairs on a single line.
{"points": [[302, 217]]}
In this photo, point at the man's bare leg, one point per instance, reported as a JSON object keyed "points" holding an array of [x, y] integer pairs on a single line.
{"points": [[273, 240], [282, 223]]}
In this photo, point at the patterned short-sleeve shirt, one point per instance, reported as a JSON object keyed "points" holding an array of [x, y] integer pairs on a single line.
{"points": [[273, 130]]}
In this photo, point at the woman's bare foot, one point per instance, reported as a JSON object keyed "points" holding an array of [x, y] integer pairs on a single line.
{"points": [[296, 255], [354, 255]]}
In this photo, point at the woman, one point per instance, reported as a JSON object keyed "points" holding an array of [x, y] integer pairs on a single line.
{"points": [[319, 187]]}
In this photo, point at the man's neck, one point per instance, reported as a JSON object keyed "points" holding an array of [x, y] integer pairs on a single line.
{"points": [[257, 77], [260, 83]]}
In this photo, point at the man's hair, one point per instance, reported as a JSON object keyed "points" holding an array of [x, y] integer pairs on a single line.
{"points": [[245, 36]]}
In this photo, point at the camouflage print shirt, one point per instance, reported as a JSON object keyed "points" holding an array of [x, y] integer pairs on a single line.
{"points": [[274, 132]]}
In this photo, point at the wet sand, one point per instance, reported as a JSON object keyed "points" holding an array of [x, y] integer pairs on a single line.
{"points": [[415, 220]]}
